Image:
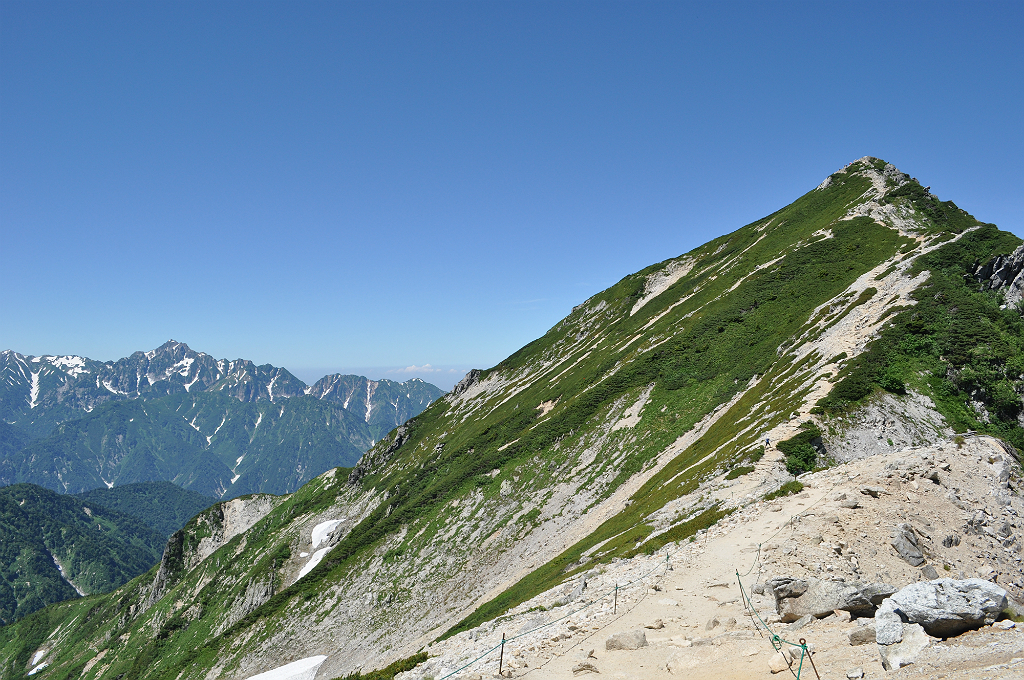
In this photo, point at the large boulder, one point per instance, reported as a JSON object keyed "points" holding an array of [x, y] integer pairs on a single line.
{"points": [[946, 607], [795, 599]]}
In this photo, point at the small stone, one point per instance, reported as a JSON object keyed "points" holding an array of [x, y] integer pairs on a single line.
{"points": [[1005, 624], [632, 639], [712, 623], [904, 540], [850, 504], [842, 616], [987, 573], [799, 623], [904, 652], [873, 491], [780, 661], [657, 625], [585, 667], [864, 635], [854, 673], [888, 624], [929, 572]]}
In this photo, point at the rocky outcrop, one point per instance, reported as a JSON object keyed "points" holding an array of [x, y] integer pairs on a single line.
{"points": [[796, 598], [471, 378], [1003, 272], [946, 607], [376, 457], [256, 593]]}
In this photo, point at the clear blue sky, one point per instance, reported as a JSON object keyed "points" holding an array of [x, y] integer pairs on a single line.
{"points": [[372, 185]]}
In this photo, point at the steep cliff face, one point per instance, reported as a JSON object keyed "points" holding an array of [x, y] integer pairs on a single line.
{"points": [[599, 440]]}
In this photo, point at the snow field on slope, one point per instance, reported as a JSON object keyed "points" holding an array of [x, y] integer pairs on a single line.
{"points": [[303, 669]]}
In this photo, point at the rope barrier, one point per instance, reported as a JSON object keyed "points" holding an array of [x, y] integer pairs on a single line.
{"points": [[775, 639], [613, 592]]}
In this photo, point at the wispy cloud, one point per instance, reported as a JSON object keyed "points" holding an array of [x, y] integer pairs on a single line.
{"points": [[425, 368]]}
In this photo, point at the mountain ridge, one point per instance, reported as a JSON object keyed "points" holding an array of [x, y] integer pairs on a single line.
{"points": [[607, 438], [219, 427]]}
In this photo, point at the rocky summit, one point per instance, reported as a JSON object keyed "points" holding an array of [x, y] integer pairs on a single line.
{"points": [[808, 426]]}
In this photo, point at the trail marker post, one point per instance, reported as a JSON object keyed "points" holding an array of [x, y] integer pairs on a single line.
{"points": [[501, 654]]}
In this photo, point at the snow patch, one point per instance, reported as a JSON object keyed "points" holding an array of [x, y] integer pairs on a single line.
{"points": [[313, 561], [38, 668], [258, 421], [38, 656], [320, 531], [106, 383], [235, 478], [34, 392], [303, 669], [72, 365], [64, 575]]}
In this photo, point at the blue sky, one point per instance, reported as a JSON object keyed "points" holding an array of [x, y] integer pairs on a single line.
{"points": [[367, 187]]}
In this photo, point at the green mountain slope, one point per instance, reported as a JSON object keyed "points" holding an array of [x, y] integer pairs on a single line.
{"points": [[210, 443], [162, 506], [55, 547], [601, 439]]}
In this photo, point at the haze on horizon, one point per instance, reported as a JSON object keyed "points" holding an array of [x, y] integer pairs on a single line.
{"points": [[373, 188]]}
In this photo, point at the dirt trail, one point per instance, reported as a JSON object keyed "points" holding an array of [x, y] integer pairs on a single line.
{"points": [[810, 534]]}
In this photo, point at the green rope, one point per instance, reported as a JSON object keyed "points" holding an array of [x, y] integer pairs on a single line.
{"points": [[776, 640]]}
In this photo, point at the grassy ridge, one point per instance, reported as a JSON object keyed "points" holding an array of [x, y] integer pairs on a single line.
{"points": [[728, 324]]}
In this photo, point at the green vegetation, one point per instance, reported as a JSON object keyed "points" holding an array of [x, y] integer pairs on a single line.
{"points": [[391, 671], [99, 549], [802, 450], [163, 506], [788, 489], [955, 344], [737, 472]]}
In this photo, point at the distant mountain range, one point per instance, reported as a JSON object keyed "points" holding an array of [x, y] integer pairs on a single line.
{"points": [[217, 427]]}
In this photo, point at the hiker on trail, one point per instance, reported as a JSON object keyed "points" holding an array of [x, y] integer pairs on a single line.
{"points": [[767, 442]]}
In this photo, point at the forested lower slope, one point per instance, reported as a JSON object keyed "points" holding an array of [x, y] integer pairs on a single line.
{"points": [[55, 547]]}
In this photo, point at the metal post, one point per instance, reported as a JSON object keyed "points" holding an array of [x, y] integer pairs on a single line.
{"points": [[615, 606], [501, 655], [803, 643]]}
